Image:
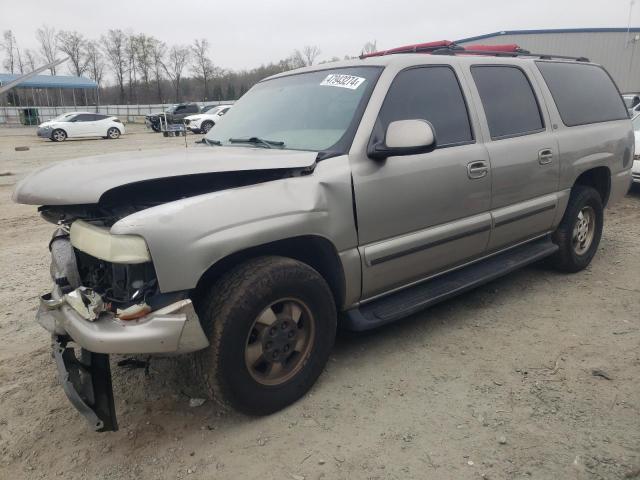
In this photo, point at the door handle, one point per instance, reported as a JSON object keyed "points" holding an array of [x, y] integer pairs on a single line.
{"points": [[477, 169], [545, 156]]}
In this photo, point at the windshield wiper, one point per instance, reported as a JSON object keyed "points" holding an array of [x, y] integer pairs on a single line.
{"points": [[257, 141]]}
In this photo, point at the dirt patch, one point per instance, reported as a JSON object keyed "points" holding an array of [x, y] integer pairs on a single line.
{"points": [[498, 382]]}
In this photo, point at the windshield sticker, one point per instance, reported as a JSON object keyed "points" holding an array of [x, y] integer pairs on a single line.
{"points": [[342, 81]]}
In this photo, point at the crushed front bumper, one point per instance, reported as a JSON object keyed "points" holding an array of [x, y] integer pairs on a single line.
{"points": [[171, 329]]}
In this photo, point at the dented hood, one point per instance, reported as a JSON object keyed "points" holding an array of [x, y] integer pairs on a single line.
{"points": [[84, 180]]}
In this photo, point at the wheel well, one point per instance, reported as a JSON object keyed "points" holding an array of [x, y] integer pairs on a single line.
{"points": [[317, 252], [598, 178]]}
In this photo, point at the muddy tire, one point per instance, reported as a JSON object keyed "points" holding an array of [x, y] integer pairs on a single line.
{"points": [[272, 323], [580, 230], [58, 135]]}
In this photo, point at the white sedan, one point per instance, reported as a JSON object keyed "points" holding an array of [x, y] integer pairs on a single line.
{"points": [[81, 124], [202, 122]]}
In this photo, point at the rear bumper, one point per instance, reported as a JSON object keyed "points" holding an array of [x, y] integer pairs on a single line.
{"points": [[620, 184], [172, 329]]}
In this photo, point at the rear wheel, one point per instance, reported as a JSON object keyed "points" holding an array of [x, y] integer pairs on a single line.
{"points": [[206, 126], [113, 133], [58, 135], [580, 230], [271, 323]]}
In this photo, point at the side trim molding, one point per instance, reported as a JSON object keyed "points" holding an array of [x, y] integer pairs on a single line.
{"points": [[431, 244]]}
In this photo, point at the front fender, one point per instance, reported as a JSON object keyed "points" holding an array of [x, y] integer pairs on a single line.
{"points": [[187, 236]]}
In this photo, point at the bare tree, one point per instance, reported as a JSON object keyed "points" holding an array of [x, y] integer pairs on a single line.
{"points": [[115, 50], [158, 50], [296, 60], [73, 45], [310, 53], [303, 58], [369, 47], [30, 59], [130, 48], [95, 62], [48, 45], [144, 59], [174, 66], [8, 45], [202, 64]]}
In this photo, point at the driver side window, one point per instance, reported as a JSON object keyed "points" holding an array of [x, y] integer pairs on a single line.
{"points": [[432, 94]]}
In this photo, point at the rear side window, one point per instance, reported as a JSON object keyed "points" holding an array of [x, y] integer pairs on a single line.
{"points": [[583, 93], [432, 94], [509, 102]]}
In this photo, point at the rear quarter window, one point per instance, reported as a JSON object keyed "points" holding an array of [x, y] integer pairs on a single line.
{"points": [[509, 102], [583, 93]]}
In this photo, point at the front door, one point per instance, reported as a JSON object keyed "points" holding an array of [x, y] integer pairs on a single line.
{"points": [[421, 214], [524, 154], [82, 125]]}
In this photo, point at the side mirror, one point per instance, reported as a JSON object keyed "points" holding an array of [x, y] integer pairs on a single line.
{"points": [[404, 137]]}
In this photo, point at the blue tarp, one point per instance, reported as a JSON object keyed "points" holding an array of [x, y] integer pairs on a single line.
{"points": [[50, 81]]}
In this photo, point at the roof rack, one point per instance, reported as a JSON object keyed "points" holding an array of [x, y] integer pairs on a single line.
{"points": [[446, 47]]}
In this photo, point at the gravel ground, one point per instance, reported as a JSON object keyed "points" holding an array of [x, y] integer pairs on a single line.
{"points": [[497, 384]]}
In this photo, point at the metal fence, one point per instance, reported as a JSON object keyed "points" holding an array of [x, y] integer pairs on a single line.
{"points": [[30, 115]]}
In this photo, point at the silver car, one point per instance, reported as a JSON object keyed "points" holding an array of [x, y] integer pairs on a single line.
{"points": [[350, 194]]}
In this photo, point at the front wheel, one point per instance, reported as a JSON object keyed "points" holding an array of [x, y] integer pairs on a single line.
{"points": [[58, 135], [580, 230], [271, 323], [113, 133]]}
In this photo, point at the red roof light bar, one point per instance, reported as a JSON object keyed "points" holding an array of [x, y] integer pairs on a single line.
{"points": [[418, 47]]}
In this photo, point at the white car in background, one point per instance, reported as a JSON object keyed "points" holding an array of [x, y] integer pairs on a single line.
{"points": [[635, 171], [202, 122], [81, 124]]}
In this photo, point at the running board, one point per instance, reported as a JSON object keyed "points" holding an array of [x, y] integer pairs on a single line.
{"points": [[413, 299]]}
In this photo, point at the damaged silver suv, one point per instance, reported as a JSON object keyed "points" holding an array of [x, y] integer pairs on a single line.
{"points": [[350, 194]]}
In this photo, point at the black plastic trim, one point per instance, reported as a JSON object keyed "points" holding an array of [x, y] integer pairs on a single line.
{"points": [[434, 243], [524, 215]]}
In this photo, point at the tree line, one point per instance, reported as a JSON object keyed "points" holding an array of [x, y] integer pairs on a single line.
{"points": [[143, 68]]}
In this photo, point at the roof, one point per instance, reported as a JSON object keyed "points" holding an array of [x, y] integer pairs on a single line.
{"points": [[548, 31], [49, 81]]}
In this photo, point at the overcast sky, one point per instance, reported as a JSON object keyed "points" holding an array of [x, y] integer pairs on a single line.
{"points": [[245, 34]]}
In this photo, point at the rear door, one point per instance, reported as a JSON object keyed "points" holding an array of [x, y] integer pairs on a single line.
{"points": [[523, 151], [420, 214], [99, 125]]}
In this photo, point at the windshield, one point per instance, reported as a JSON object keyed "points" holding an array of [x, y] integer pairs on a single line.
{"points": [[210, 109], [309, 111], [636, 123]]}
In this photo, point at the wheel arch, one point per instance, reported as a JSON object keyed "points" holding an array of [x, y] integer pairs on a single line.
{"points": [[598, 178], [313, 250]]}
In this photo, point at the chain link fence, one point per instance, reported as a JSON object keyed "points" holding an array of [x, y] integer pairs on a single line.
{"points": [[34, 115]]}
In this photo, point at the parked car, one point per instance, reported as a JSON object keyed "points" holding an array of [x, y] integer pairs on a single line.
{"points": [[203, 122], [174, 114], [632, 102], [635, 171], [355, 193], [81, 124]]}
